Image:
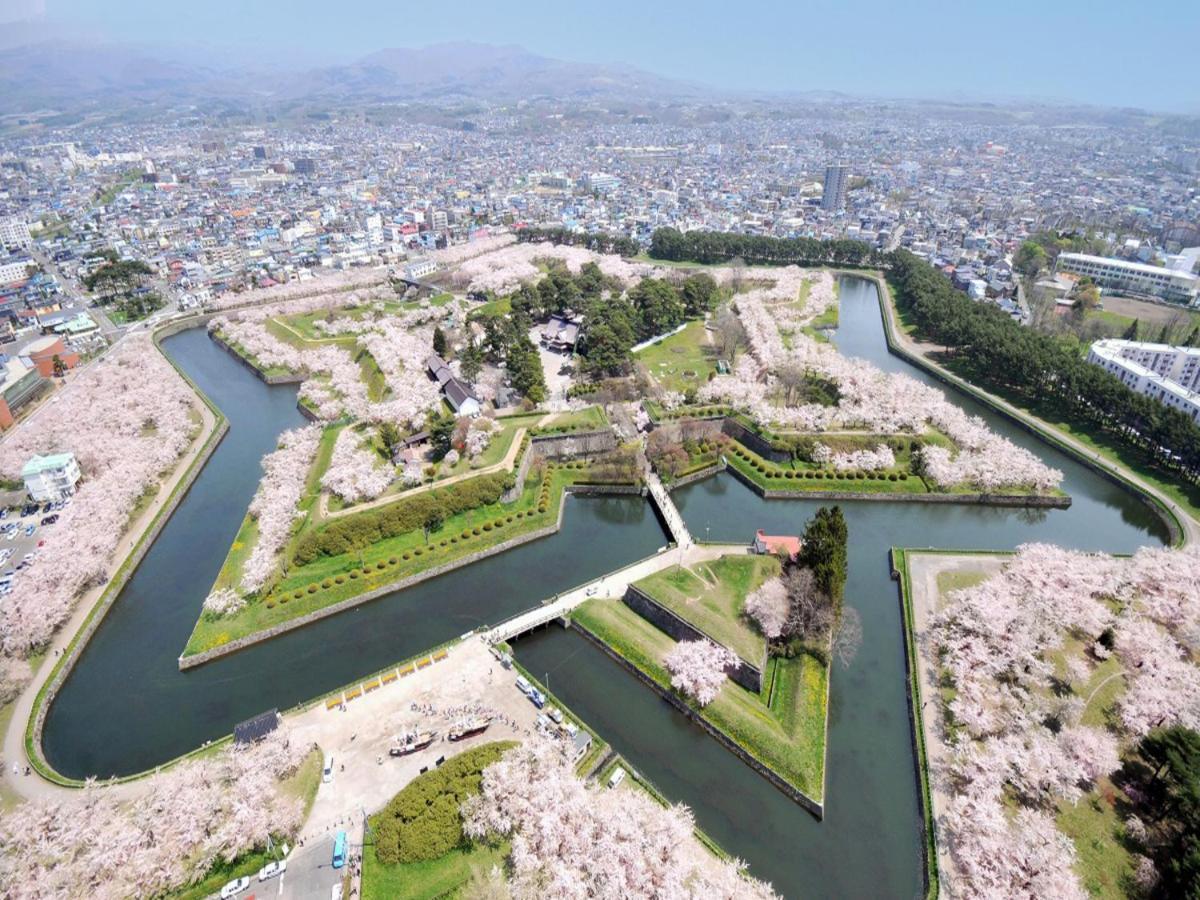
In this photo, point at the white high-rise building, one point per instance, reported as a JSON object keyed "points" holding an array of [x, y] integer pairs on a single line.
{"points": [[1170, 375], [834, 197], [14, 235]]}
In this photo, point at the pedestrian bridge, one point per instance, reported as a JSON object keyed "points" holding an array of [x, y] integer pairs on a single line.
{"points": [[670, 513], [611, 585]]}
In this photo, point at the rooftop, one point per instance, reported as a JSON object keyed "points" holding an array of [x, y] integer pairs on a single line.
{"points": [[39, 464]]}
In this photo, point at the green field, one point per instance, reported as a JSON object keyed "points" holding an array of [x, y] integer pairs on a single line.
{"points": [[681, 361], [431, 879], [710, 597], [786, 734]]}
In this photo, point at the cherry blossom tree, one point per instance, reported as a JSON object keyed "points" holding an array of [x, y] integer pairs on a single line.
{"points": [[275, 502], [224, 602], [96, 843], [127, 417], [768, 606], [698, 668], [355, 472], [569, 842]]}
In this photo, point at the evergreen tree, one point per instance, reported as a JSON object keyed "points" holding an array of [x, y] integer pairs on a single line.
{"points": [[824, 551], [471, 361], [1131, 333], [439, 342]]}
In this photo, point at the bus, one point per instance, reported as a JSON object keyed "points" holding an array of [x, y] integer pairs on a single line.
{"points": [[339, 850]]}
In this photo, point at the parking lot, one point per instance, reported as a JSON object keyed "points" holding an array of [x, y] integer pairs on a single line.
{"points": [[21, 534]]}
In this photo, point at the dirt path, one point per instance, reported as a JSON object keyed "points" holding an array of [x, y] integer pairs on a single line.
{"points": [[34, 786], [924, 569], [1191, 528]]}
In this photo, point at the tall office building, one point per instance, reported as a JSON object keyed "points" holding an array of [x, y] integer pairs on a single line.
{"points": [[836, 176], [305, 166]]}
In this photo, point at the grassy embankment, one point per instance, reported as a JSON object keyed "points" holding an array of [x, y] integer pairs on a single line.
{"points": [[332, 579], [783, 727], [710, 595]]}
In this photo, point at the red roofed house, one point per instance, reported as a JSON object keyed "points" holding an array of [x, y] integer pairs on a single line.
{"points": [[776, 544]]}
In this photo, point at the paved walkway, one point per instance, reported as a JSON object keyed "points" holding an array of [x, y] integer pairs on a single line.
{"points": [[1191, 527], [34, 786], [924, 569], [611, 585]]}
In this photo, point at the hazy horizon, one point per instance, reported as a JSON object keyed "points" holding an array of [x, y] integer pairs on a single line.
{"points": [[923, 50]]}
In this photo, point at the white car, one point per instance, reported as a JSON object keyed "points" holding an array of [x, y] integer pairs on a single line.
{"points": [[592, 591], [235, 887], [271, 869]]}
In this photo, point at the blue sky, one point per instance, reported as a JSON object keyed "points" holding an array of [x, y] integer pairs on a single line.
{"points": [[1098, 52]]}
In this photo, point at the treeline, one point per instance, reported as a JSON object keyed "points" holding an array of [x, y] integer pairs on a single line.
{"points": [[990, 349], [613, 320], [360, 531], [723, 247], [597, 242]]}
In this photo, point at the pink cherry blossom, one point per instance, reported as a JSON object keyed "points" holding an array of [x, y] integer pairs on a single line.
{"points": [[573, 843], [127, 417], [96, 844], [274, 506], [698, 669], [355, 471], [768, 606]]}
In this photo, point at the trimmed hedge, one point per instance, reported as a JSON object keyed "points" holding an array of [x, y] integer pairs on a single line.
{"points": [[372, 526], [423, 822]]}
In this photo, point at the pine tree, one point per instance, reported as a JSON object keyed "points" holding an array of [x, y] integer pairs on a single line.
{"points": [[1131, 333], [439, 342]]}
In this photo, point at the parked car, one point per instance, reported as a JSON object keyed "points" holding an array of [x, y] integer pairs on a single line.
{"points": [[30, 530], [271, 869], [50, 520], [235, 887]]}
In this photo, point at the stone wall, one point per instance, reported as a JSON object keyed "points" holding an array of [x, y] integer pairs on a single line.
{"points": [[288, 378], [753, 440], [579, 443], [744, 673], [817, 809], [707, 472]]}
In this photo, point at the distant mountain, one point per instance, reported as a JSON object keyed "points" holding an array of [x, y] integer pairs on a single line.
{"points": [[68, 75], [482, 71], [63, 74]]}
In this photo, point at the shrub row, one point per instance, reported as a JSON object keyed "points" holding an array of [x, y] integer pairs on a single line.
{"points": [[372, 526], [423, 822]]}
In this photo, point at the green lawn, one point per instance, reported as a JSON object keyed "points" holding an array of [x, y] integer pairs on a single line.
{"points": [[589, 418], [800, 476], [330, 580], [1104, 863], [429, 880], [681, 361], [710, 597], [787, 734]]}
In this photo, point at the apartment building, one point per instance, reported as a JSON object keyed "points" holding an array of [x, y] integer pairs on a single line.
{"points": [[1170, 375]]}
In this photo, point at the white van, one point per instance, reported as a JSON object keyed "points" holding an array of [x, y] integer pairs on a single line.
{"points": [[523, 685], [327, 772], [616, 777]]}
